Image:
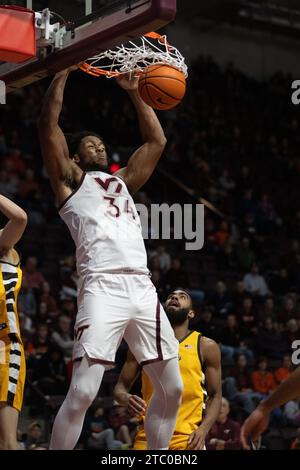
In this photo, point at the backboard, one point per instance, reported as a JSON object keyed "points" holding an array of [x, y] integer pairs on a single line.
{"points": [[92, 26]]}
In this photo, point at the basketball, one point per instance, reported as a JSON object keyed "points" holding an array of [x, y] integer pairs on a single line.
{"points": [[162, 86]]}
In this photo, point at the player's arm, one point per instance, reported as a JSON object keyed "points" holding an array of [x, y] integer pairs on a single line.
{"points": [[129, 373], [54, 147], [15, 226], [142, 163], [258, 421], [212, 363]]}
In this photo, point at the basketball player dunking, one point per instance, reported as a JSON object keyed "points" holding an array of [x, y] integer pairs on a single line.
{"points": [[116, 297]]}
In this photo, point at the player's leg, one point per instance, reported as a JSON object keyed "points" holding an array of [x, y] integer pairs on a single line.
{"points": [[12, 379], [161, 414], [8, 427], [86, 380], [99, 328], [151, 339]]}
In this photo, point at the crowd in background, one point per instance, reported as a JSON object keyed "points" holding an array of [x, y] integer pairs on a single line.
{"points": [[234, 141]]}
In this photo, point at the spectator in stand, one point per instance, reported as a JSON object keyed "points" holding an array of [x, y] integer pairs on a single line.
{"points": [[121, 424], [269, 341], [40, 342], [28, 300], [50, 374], [268, 309], [47, 297], [255, 283], [69, 307], [231, 342], [288, 311], [239, 295], [221, 299], [291, 412], [206, 324], [175, 277], [226, 257], [245, 256], [63, 336], [249, 229], [223, 234], [291, 334], [28, 186], [163, 257], [283, 372], [225, 433], [226, 181], [262, 380], [97, 433], [247, 318], [33, 277], [34, 434], [237, 386], [42, 315], [267, 218]]}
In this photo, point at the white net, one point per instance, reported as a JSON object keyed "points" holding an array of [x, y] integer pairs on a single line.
{"points": [[135, 56]]}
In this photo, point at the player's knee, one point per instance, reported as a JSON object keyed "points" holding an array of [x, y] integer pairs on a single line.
{"points": [[175, 392], [81, 398]]}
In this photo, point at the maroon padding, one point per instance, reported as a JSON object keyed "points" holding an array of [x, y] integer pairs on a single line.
{"points": [[117, 28], [17, 34]]}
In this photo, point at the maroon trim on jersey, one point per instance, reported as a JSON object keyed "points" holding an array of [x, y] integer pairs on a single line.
{"points": [[105, 184], [158, 339], [72, 194]]}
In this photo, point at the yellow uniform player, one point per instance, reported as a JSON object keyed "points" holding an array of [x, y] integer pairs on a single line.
{"points": [[200, 369], [12, 359]]}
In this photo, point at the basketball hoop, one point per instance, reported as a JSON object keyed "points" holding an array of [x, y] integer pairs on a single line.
{"points": [[134, 57]]}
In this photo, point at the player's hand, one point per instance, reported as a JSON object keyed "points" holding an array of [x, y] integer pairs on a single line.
{"points": [[128, 82], [66, 71], [254, 426], [197, 439], [136, 405]]}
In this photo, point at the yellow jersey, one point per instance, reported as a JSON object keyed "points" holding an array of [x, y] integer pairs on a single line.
{"points": [[10, 284], [194, 394], [12, 356]]}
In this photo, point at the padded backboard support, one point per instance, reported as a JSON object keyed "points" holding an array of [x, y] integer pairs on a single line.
{"points": [[102, 34]]}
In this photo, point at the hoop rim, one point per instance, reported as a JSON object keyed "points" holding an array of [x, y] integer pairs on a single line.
{"points": [[100, 72]]}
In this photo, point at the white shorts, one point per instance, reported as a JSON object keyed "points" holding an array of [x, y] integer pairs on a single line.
{"points": [[113, 306]]}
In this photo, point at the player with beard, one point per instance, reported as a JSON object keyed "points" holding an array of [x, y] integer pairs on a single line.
{"points": [[116, 297], [200, 368]]}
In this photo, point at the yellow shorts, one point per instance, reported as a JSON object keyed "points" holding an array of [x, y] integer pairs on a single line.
{"points": [[12, 371], [178, 442]]}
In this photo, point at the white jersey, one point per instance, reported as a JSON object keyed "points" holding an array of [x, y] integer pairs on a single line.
{"points": [[105, 226]]}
